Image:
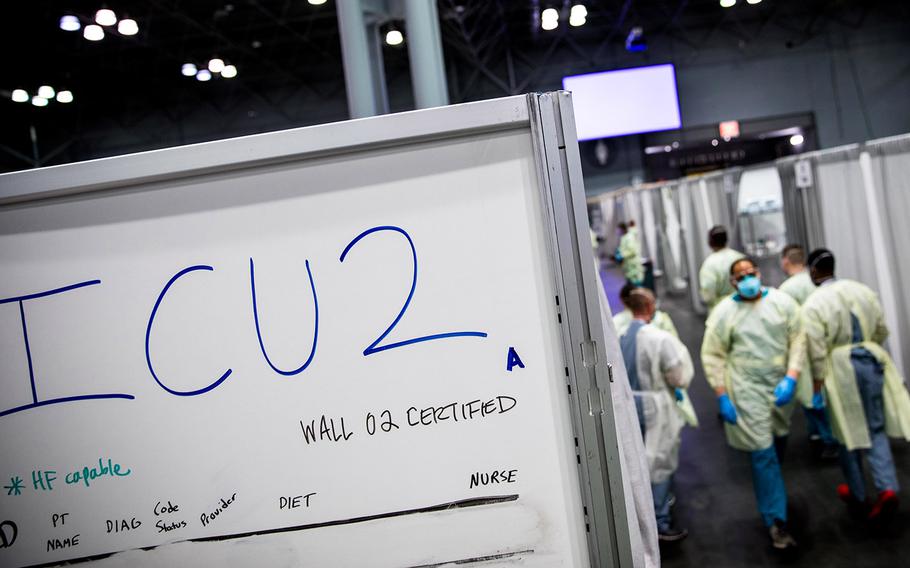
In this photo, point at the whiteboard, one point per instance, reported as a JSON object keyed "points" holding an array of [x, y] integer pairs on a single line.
{"points": [[344, 356]]}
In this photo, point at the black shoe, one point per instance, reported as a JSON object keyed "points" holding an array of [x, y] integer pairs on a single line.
{"points": [[830, 453], [672, 535], [780, 538]]}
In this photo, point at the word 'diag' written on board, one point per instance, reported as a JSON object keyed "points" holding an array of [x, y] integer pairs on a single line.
{"points": [[379, 344]]}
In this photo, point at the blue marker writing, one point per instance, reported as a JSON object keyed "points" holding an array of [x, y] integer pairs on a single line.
{"points": [[36, 401], [148, 335]]}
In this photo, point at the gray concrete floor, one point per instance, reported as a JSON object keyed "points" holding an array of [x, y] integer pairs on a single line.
{"points": [[715, 501]]}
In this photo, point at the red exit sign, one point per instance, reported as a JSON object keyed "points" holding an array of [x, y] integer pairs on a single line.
{"points": [[729, 129]]}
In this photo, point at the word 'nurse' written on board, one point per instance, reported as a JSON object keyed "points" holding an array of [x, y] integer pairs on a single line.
{"points": [[378, 345]]}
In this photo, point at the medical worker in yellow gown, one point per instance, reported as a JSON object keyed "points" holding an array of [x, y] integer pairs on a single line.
{"points": [[752, 354], [866, 398], [714, 277]]}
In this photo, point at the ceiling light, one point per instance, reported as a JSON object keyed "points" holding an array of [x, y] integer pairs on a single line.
{"points": [[20, 96], [46, 92], [216, 65], [394, 37], [203, 75], [64, 97], [70, 23], [188, 70], [229, 72], [727, 3], [549, 19], [39, 101], [796, 139], [93, 33], [128, 27], [753, 1], [577, 15], [105, 17], [316, 2], [636, 41]]}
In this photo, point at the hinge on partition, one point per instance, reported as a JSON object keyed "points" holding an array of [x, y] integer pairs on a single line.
{"points": [[610, 371], [589, 354]]}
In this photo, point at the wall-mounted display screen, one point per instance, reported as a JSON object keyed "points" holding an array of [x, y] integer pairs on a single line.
{"points": [[627, 101]]}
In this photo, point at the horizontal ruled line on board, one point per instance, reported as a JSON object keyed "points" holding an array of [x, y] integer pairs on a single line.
{"points": [[460, 504], [475, 502], [477, 559]]}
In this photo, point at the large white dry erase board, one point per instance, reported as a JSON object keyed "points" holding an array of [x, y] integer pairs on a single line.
{"points": [[358, 344]]}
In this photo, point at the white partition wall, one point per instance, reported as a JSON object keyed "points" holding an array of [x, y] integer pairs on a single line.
{"points": [[854, 200], [890, 169]]}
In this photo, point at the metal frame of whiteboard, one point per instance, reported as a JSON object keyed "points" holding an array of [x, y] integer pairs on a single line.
{"points": [[550, 120], [559, 164]]}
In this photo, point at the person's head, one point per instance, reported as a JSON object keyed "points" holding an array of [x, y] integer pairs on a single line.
{"points": [[746, 278], [821, 265], [793, 259], [642, 304], [624, 294], [717, 237], [623, 228]]}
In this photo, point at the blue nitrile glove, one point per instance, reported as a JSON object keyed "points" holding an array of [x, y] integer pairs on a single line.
{"points": [[727, 410], [818, 401], [617, 257], [679, 394], [784, 391]]}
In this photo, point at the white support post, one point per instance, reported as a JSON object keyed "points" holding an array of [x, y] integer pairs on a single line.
{"points": [[880, 256]]}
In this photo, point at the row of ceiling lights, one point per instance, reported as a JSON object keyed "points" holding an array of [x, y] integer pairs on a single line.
{"points": [[106, 18], [45, 94], [94, 31], [216, 66], [549, 18]]}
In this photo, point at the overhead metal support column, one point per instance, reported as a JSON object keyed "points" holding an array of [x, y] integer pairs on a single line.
{"points": [[425, 53], [361, 69], [380, 91]]}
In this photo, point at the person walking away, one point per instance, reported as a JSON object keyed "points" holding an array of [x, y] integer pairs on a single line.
{"points": [[659, 369], [799, 285], [753, 339], [865, 396], [714, 276], [629, 254], [621, 321]]}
